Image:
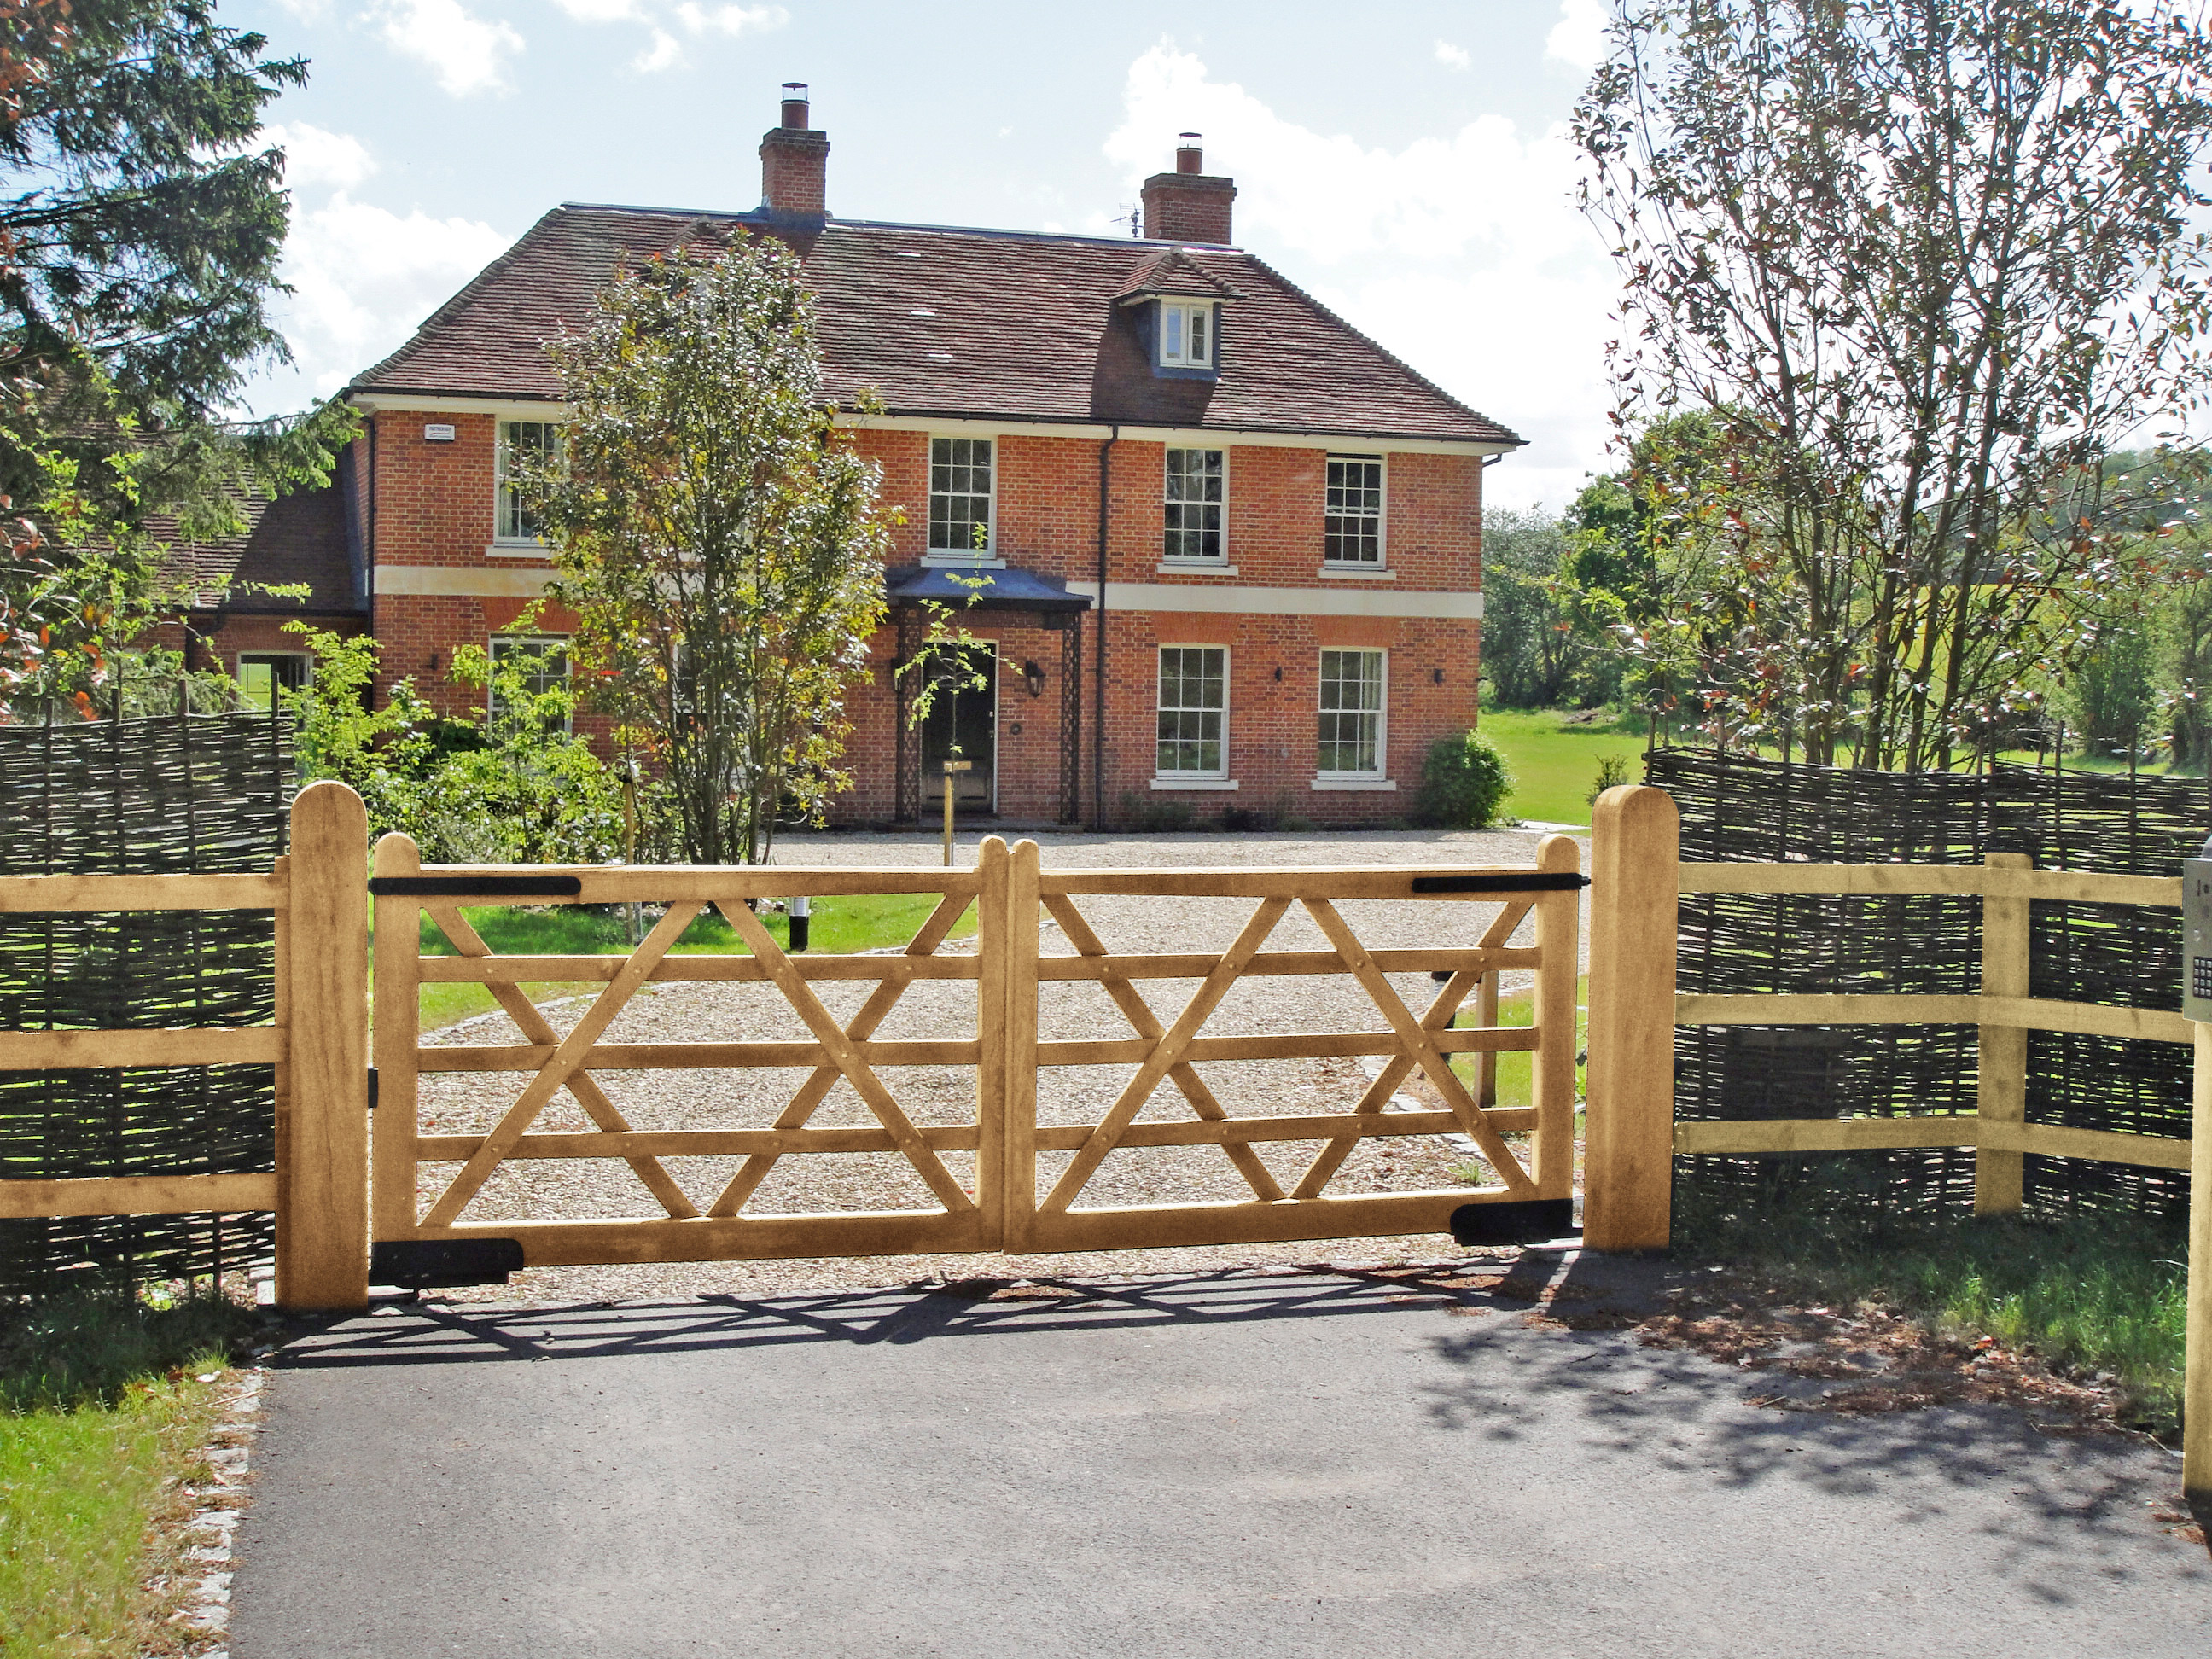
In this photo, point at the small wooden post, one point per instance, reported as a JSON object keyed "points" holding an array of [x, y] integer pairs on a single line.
{"points": [[994, 866], [1628, 1164], [1020, 1037], [1486, 1016], [396, 1035], [322, 1127], [2196, 1363], [1552, 1068], [951, 766], [2000, 1075]]}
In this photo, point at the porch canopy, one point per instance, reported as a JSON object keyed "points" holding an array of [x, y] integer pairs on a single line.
{"points": [[913, 590]]}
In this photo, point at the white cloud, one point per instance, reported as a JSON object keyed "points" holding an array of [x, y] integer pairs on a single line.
{"points": [[1577, 39], [600, 11], [731, 19], [364, 277], [466, 51], [315, 158], [1452, 57], [1460, 251], [664, 50]]}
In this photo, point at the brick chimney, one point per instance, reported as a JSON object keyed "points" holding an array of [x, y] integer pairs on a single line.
{"points": [[1189, 204], [795, 165]]}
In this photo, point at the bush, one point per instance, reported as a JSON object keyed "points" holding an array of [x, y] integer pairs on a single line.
{"points": [[1149, 815], [1612, 773], [1242, 820], [1463, 783]]}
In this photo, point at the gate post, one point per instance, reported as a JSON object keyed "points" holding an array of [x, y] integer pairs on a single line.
{"points": [[1628, 1164], [992, 866], [322, 1118]]}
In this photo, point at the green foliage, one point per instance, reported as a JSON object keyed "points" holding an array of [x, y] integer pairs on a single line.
{"points": [[100, 1416], [521, 790], [1964, 269], [1154, 814], [719, 542], [1463, 783], [1529, 639], [2111, 705], [140, 232], [1612, 773]]}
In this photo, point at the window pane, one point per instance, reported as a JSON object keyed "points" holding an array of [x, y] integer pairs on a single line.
{"points": [[1194, 699], [960, 495], [519, 442], [1352, 525], [1351, 716], [1193, 513], [1198, 334], [1171, 333]]}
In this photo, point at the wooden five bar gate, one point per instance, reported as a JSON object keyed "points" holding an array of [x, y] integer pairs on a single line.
{"points": [[332, 1199], [1007, 1206]]}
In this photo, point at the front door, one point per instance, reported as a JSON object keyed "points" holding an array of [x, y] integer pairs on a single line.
{"points": [[962, 725]]}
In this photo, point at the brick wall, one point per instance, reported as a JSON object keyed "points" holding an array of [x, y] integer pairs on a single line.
{"points": [[435, 506]]}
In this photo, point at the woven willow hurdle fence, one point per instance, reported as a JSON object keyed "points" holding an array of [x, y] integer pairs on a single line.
{"points": [[1634, 1134]]}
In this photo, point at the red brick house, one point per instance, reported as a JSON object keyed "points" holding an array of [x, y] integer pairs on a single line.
{"points": [[1232, 546]]}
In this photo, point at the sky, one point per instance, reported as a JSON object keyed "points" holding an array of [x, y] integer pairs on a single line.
{"points": [[1408, 164]]}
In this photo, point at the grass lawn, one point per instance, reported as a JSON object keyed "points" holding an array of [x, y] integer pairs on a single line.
{"points": [[1515, 1067], [1553, 764], [102, 1416], [2104, 1293], [860, 922]]}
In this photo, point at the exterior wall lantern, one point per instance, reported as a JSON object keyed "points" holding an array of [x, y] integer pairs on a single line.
{"points": [[1033, 677]]}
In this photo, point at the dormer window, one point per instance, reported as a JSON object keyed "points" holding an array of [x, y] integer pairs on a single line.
{"points": [[1186, 334]]}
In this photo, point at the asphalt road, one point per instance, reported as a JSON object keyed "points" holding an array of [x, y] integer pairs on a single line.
{"points": [[1254, 1463]]}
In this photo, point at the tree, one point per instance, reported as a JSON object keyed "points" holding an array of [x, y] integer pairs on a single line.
{"points": [[719, 541], [1923, 266], [140, 232], [1528, 631]]}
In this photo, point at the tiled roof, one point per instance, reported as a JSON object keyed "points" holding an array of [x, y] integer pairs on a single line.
{"points": [[299, 540], [956, 323], [1171, 270]]}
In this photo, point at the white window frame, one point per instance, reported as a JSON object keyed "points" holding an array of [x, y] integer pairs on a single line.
{"points": [[1216, 563], [987, 558], [1380, 563], [1377, 778], [501, 540], [1191, 779], [499, 642], [1174, 319]]}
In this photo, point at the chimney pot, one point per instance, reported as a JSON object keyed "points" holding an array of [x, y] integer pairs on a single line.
{"points": [[794, 104], [1189, 158]]}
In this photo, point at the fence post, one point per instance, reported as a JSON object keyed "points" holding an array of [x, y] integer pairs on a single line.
{"points": [[1628, 1163], [322, 1124], [1018, 1165], [2196, 1363], [2001, 1071], [1552, 1009]]}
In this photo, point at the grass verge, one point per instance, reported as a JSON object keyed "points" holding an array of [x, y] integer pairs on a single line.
{"points": [[102, 1419], [2103, 1294], [860, 922]]}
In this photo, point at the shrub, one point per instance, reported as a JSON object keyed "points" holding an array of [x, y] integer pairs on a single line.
{"points": [[1150, 817], [1243, 819], [1612, 771], [1463, 783]]}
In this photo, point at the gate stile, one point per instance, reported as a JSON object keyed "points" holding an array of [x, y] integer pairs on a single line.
{"points": [[1006, 1209]]}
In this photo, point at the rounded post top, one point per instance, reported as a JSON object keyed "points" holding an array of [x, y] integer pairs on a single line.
{"points": [[1560, 852], [397, 854]]}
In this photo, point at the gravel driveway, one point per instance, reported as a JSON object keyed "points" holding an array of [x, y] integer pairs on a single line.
{"points": [[454, 1104]]}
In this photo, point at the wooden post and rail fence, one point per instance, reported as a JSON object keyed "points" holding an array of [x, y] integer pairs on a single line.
{"points": [[320, 1047]]}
